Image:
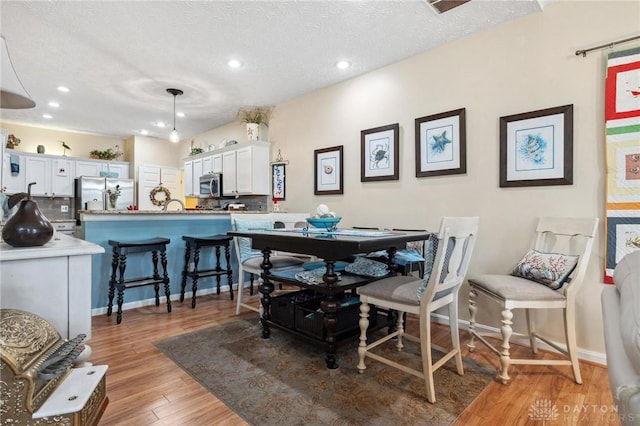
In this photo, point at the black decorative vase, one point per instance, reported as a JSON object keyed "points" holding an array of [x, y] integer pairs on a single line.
{"points": [[27, 227]]}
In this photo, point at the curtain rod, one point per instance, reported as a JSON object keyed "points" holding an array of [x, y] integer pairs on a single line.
{"points": [[602, 46]]}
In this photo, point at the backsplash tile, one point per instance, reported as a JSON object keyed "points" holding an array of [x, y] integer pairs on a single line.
{"points": [[52, 208]]}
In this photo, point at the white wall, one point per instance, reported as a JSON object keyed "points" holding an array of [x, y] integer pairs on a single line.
{"points": [[521, 66]]}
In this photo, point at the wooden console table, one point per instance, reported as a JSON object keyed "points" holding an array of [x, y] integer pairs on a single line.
{"points": [[331, 247]]}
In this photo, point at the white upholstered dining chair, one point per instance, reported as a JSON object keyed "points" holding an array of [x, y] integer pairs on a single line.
{"points": [[548, 277], [249, 260], [421, 297]]}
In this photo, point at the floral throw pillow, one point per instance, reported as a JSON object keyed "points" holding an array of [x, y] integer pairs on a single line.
{"points": [[550, 269]]}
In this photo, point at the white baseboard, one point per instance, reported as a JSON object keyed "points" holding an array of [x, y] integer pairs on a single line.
{"points": [[595, 357], [591, 356]]}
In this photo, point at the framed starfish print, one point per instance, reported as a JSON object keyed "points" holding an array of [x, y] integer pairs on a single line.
{"points": [[380, 151], [441, 147], [536, 148]]}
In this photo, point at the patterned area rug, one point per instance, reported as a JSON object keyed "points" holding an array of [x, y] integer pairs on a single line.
{"points": [[283, 380]]}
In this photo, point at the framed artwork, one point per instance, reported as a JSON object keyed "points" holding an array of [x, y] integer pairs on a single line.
{"points": [[536, 148], [380, 151], [278, 182], [441, 144], [328, 165]]}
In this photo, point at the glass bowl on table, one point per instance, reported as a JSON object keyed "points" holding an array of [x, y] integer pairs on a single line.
{"points": [[328, 223]]}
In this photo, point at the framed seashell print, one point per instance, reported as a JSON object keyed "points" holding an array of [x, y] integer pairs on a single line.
{"points": [[536, 148], [328, 164]]}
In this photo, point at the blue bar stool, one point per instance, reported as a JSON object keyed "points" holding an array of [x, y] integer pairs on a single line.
{"points": [[193, 246], [119, 263]]}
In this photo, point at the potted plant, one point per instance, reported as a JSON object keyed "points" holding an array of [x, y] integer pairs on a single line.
{"points": [[195, 149], [107, 154], [253, 118]]}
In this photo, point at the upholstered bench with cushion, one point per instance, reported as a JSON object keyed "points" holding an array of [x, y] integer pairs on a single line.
{"points": [[621, 313]]}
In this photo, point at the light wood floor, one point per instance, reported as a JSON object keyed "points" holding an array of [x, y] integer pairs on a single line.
{"points": [[146, 388]]}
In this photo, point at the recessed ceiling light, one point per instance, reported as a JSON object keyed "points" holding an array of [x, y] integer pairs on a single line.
{"points": [[144, 132], [53, 104], [234, 63], [180, 114], [63, 89], [160, 124], [343, 64], [47, 116]]}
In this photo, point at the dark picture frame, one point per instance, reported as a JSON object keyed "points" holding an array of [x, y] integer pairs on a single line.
{"points": [[380, 153], [328, 166], [536, 148], [441, 144], [278, 181]]}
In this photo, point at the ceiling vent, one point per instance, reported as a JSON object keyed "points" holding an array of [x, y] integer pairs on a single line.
{"points": [[442, 6]]}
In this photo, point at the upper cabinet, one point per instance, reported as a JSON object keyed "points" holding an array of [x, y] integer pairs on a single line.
{"points": [[244, 168], [212, 164], [118, 169], [245, 171], [54, 175], [13, 173]]}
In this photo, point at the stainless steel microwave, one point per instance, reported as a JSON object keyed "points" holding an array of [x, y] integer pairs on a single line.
{"points": [[211, 186]]}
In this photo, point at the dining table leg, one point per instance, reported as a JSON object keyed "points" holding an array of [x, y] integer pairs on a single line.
{"points": [[330, 307], [266, 288]]}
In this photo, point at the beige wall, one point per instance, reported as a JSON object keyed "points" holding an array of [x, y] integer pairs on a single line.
{"points": [[80, 143], [521, 66]]}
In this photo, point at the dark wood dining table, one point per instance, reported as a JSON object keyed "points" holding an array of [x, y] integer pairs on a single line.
{"points": [[330, 246]]}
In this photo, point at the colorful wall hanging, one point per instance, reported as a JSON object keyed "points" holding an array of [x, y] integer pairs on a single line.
{"points": [[622, 124]]}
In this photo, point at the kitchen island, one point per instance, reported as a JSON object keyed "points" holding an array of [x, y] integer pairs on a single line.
{"points": [[100, 226], [51, 281]]}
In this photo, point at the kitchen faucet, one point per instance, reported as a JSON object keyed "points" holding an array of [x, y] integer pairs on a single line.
{"points": [[166, 203]]}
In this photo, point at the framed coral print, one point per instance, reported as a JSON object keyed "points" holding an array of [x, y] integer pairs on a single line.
{"points": [[380, 150], [536, 148], [328, 170], [441, 144], [278, 181]]}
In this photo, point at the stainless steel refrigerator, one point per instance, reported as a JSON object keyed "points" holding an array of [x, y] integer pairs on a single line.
{"points": [[91, 193]]}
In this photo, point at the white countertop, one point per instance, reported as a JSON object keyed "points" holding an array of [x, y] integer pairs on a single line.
{"points": [[60, 245]]}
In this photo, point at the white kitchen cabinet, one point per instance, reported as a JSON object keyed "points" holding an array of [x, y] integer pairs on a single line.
{"points": [[212, 164], [52, 282], [13, 183], [252, 170], [245, 169], [217, 163], [195, 176], [88, 168], [229, 182], [149, 177], [101, 168], [62, 177], [38, 170], [119, 170], [53, 176], [188, 179]]}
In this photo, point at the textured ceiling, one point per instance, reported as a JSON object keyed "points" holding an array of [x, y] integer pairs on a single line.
{"points": [[119, 57]]}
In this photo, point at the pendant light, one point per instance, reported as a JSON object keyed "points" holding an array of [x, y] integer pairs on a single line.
{"points": [[13, 95], [173, 136]]}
